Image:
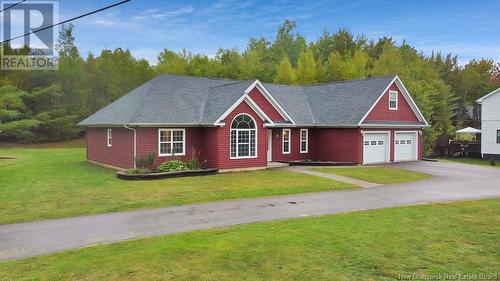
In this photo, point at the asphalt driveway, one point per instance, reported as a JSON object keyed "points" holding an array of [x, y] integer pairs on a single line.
{"points": [[450, 182]]}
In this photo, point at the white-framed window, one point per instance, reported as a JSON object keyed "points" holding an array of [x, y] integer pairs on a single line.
{"points": [[393, 100], [304, 140], [171, 142], [498, 136], [243, 139], [286, 141], [109, 138]]}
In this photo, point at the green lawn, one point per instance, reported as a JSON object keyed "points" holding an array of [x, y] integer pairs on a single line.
{"points": [[454, 238], [382, 175], [465, 160], [57, 182]]}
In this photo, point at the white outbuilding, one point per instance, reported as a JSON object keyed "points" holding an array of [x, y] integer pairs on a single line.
{"points": [[490, 125]]}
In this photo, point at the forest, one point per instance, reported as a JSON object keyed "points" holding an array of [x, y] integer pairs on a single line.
{"points": [[45, 106]]}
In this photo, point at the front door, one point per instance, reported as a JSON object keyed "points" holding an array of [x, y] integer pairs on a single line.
{"points": [[269, 145]]}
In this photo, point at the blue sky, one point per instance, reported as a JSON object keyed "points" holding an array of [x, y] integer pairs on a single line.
{"points": [[470, 29]]}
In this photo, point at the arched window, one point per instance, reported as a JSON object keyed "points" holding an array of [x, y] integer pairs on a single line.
{"points": [[243, 137]]}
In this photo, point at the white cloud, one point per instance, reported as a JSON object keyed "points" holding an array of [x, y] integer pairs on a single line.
{"points": [[158, 14], [150, 54]]}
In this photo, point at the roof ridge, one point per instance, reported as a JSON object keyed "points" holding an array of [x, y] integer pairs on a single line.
{"points": [[229, 84], [236, 81], [198, 77], [352, 80]]}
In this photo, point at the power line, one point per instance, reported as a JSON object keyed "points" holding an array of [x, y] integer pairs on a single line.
{"points": [[13, 5], [66, 21]]}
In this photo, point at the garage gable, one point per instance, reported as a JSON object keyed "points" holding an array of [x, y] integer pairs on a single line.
{"points": [[402, 112], [394, 105]]}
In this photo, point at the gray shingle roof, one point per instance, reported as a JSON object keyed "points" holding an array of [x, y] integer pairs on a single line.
{"points": [[171, 99], [404, 123]]}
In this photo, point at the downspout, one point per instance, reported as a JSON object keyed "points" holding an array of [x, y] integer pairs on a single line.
{"points": [[135, 142]]}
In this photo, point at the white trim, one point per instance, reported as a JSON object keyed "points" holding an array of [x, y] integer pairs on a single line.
{"points": [[283, 141], [391, 126], [229, 110], [407, 97], [270, 99], [415, 158], [480, 100], [250, 103], [306, 140], [135, 143], [109, 137], [167, 125], [397, 94], [257, 109], [281, 125], [412, 103], [256, 139], [172, 142], [269, 135], [387, 141]]}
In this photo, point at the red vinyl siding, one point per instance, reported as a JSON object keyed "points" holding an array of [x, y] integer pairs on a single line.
{"points": [[224, 137], [334, 144], [120, 154], [147, 142], [381, 110], [209, 145], [277, 143], [265, 105]]}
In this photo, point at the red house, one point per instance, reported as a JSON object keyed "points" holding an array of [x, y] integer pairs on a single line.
{"points": [[230, 124]]}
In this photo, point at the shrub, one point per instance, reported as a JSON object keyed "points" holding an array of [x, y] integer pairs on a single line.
{"points": [[137, 171], [145, 161], [492, 163], [192, 164], [171, 166]]}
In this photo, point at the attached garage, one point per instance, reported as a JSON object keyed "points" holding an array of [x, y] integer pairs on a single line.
{"points": [[376, 147], [405, 146]]}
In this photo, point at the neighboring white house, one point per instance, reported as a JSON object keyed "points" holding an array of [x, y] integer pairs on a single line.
{"points": [[490, 125]]}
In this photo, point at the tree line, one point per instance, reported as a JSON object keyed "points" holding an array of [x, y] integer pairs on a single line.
{"points": [[40, 106]]}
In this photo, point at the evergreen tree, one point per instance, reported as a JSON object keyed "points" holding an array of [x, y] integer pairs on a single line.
{"points": [[16, 120]]}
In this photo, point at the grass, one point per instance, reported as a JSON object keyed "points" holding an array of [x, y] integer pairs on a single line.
{"points": [[48, 183], [453, 238], [466, 160], [381, 175], [76, 143]]}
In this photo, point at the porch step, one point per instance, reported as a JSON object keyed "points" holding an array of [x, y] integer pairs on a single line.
{"points": [[271, 165]]}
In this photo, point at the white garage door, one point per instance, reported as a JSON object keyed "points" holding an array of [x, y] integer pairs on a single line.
{"points": [[405, 146], [375, 148]]}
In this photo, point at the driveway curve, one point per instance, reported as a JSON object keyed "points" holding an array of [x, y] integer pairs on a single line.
{"points": [[450, 182]]}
